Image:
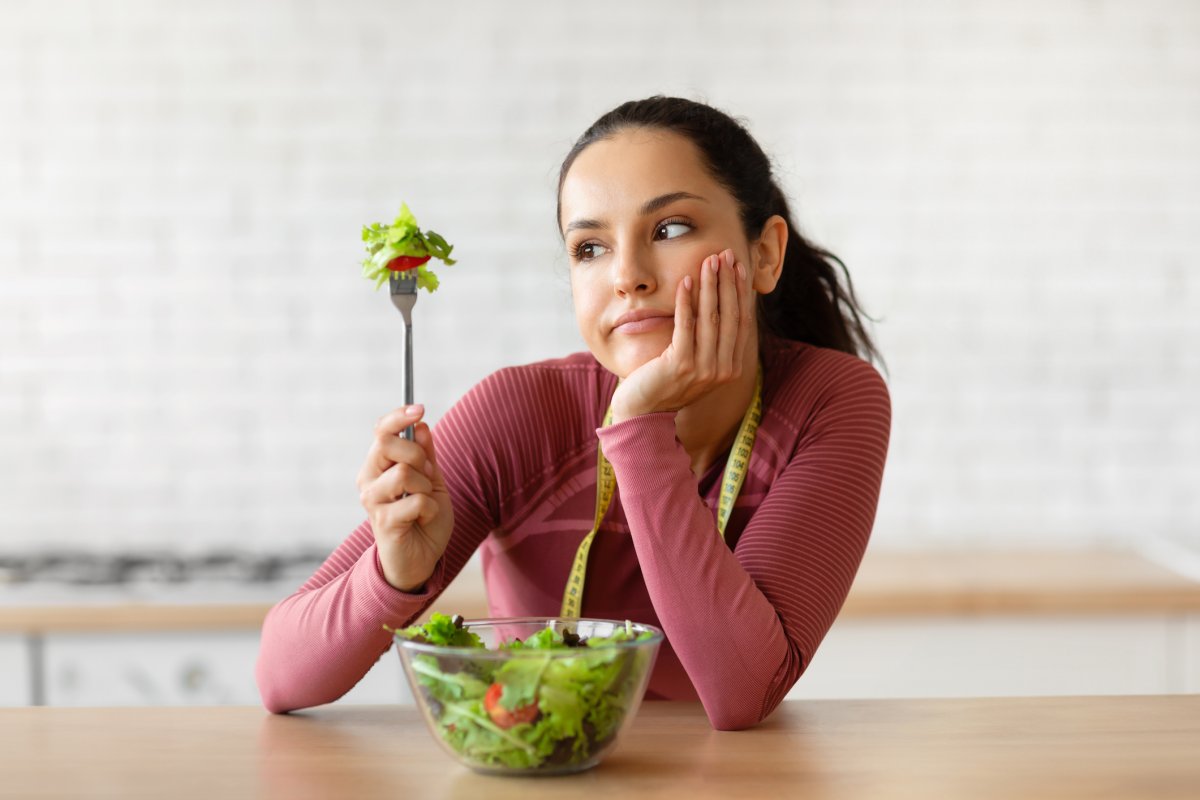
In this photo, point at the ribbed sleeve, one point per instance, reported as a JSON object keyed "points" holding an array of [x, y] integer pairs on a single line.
{"points": [[318, 643], [745, 623]]}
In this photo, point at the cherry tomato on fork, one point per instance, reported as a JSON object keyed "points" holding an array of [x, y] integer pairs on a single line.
{"points": [[405, 263]]}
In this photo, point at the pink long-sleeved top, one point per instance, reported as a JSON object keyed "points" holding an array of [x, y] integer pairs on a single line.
{"points": [[743, 616]]}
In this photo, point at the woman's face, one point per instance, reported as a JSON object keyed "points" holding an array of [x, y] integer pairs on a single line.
{"points": [[640, 212]]}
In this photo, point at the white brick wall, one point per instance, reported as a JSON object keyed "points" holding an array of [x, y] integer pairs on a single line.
{"points": [[188, 357]]}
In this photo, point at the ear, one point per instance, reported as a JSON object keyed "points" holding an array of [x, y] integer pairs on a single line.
{"points": [[766, 255]]}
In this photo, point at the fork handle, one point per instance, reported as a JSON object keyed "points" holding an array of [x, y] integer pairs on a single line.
{"points": [[408, 374]]}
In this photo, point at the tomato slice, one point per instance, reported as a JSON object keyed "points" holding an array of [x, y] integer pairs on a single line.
{"points": [[404, 263], [501, 715]]}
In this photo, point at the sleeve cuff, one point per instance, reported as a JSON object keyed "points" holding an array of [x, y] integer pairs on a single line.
{"points": [[390, 600], [636, 433]]}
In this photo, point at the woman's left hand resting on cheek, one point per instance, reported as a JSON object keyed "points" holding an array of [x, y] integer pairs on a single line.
{"points": [[712, 327]]}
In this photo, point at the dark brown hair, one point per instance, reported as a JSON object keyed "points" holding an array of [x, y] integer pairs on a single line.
{"points": [[810, 303]]}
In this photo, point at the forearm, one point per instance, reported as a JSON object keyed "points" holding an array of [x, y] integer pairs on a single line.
{"points": [[319, 642], [726, 633]]}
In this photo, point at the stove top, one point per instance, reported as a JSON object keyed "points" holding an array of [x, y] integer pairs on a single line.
{"points": [[121, 569]]}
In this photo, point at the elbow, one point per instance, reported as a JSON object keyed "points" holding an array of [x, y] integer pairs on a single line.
{"points": [[733, 722], [269, 691], [739, 716], [276, 686], [274, 704], [276, 668], [726, 714], [274, 700]]}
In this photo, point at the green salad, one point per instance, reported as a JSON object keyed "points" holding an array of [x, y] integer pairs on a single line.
{"points": [[541, 709], [403, 247]]}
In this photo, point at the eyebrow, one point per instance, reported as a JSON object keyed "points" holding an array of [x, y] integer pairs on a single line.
{"points": [[649, 207]]}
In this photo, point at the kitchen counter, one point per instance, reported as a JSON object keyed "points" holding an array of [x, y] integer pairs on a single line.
{"points": [[889, 584], [976, 582], [984, 749]]}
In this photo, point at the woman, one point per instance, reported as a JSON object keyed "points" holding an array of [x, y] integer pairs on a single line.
{"points": [[712, 328]]}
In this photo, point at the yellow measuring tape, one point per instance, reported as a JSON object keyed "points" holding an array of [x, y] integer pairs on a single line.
{"points": [[606, 484]]}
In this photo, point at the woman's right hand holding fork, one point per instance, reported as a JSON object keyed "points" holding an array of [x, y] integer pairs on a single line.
{"points": [[406, 499]]}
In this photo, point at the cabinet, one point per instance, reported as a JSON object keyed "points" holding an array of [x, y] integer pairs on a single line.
{"points": [[149, 669], [14, 666], [1191, 654], [176, 668], [1005, 656]]}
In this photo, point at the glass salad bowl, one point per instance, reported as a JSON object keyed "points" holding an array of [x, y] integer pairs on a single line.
{"points": [[529, 695]]}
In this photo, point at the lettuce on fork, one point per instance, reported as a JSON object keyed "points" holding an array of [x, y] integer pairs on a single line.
{"points": [[403, 246]]}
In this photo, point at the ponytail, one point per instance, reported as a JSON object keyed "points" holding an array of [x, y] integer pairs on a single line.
{"points": [[810, 302]]}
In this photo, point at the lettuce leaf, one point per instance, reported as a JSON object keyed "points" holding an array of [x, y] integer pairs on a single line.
{"points": [[441, 630], [448, 686], [402, 238]]}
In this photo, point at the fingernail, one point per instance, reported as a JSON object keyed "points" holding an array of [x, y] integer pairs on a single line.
{"points": [[715, 263], [728, 256], [428, 468], [687, 282], [415, 409], [741, 268]]}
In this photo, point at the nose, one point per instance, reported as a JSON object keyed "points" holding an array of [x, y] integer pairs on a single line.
{"points": [[632, 273]]}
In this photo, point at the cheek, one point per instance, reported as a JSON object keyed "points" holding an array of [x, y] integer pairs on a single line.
{"points": [[586, 303], [692, 258]]}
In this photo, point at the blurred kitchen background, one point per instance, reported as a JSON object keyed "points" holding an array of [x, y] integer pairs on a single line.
{"points": [[191, 364]]}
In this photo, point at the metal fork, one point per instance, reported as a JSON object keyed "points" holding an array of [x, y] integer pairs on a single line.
{"points": [[404, 297]]}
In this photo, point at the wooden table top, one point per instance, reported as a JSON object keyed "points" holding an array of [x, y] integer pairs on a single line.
{"points": [[984, 749], [889, 584]]}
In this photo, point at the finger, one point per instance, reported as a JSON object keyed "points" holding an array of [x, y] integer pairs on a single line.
{"points": [[395, 483], [416, 508], [424, 438], [729, 313], [383, 451], [386, 451], [396, 420], [396, 450], [683, 338], [708, 317]]}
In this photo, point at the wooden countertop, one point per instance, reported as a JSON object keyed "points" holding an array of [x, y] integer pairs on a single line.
{"points": [[889, 584], [984, 749], [973, 582]]}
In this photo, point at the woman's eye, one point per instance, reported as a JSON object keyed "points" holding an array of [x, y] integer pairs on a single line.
{"points": [[669, 230], [587, 251]]}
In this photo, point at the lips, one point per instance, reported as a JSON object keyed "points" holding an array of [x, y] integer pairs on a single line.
{"points": [[641, 320]]}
